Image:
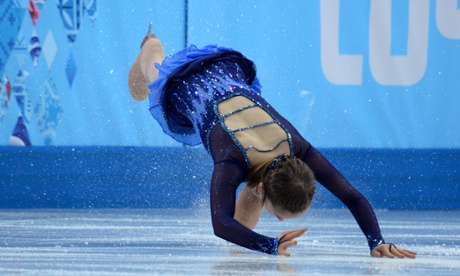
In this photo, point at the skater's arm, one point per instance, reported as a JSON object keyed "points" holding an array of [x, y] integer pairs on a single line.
{"points": [[249, 208]]}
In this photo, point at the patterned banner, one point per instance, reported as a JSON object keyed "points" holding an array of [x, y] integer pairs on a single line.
{"points": [[39, 105]]}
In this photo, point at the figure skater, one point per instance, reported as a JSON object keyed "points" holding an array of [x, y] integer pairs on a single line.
{"points": [[211, 96]]}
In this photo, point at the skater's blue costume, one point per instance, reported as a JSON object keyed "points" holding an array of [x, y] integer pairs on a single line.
{"points": [[184, 101]]}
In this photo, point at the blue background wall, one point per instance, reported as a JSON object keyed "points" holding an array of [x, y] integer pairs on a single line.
{"points": [[333, 101], [353, 74]]}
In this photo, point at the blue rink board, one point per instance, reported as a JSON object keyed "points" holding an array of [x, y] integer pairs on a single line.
{"points": [[178, 177], [181, 242]]}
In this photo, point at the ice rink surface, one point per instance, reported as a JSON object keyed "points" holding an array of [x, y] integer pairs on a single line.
{"points": [[181, 242]]}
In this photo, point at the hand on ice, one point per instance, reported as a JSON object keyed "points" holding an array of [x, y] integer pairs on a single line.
{"points": [[390, 250], [286, 239]]}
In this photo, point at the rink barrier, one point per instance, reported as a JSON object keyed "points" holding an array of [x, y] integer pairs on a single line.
{"points": [[178, 177]]}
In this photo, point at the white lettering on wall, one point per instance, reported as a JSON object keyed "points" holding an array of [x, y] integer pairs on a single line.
{"points": [[338, 69], [390, 69], [386, 69], [448, 18]]}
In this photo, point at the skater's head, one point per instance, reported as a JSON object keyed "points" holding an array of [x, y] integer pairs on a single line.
{"points": [[287, 185]]}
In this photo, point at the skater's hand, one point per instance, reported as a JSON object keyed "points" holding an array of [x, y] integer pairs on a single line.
{"points": [[286, 239], [390, 250]]}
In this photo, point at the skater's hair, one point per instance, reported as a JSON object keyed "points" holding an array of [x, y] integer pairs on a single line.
{"points": [[288, 183]]}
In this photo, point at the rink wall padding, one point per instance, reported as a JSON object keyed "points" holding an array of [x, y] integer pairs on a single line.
{"points": [[179, 177]]}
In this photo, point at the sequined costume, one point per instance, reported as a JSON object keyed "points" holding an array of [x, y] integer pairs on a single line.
{"points": [[184, 101]]}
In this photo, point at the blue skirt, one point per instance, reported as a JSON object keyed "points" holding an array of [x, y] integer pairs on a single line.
{"points": [[179, 66]]}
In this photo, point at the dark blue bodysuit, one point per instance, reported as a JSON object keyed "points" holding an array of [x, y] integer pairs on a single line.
{"points": [[184, 101]]}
